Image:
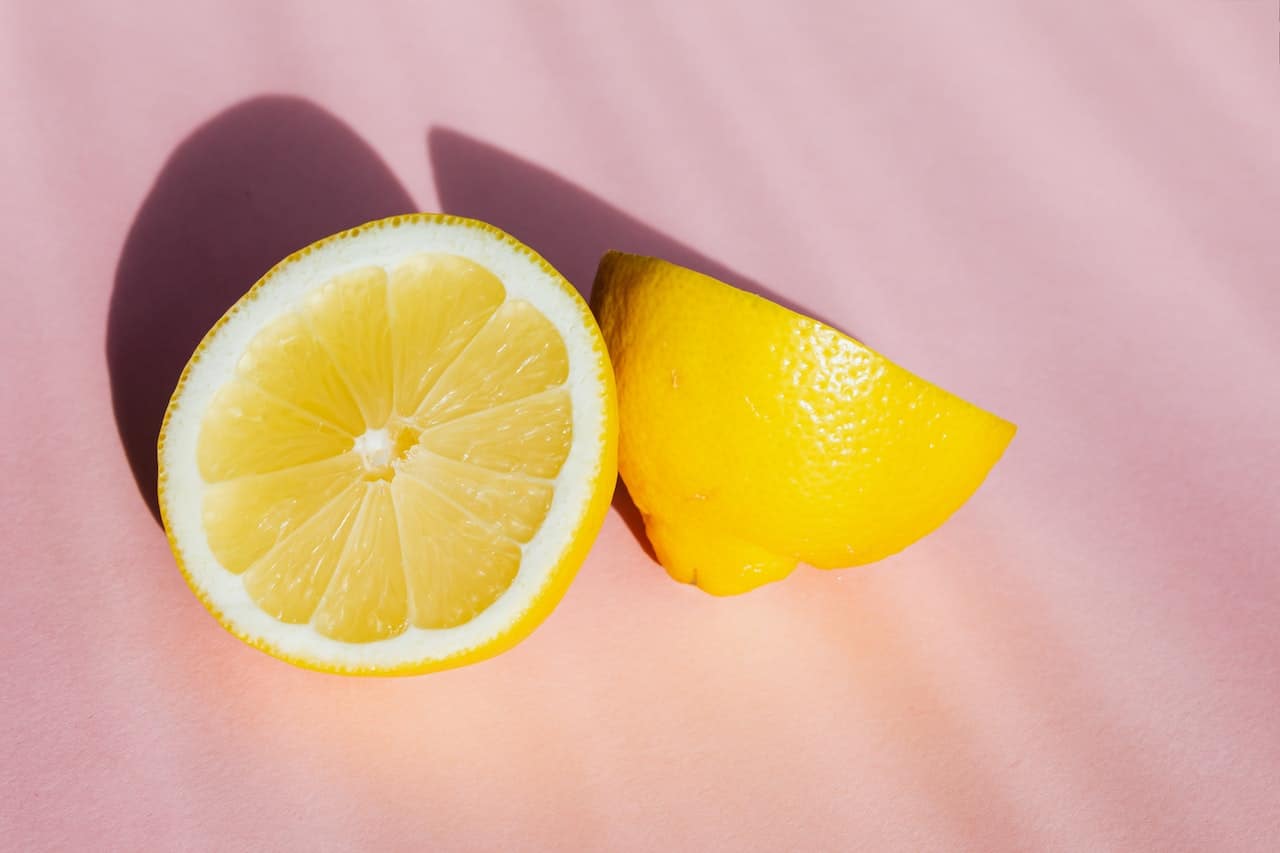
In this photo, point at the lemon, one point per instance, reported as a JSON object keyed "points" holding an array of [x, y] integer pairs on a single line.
{"points": [[753, 438], [392, 454]]}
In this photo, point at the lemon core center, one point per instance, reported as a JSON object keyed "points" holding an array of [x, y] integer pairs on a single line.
{"points": [[381, 449]]}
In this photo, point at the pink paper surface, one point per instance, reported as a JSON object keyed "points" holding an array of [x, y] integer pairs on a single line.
{"points": [[1068, 212]]}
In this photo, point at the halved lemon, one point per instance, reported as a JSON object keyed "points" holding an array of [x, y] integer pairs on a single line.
{"points": [[393, 453]]}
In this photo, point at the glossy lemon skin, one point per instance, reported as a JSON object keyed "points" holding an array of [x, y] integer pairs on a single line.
{"points": [[753, 438]]}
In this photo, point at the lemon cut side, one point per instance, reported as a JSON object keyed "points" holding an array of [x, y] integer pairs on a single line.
{"points": [[393, 453]]}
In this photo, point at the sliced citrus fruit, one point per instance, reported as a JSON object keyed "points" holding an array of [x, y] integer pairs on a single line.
{"points": [[754, 438], [393, 453]]}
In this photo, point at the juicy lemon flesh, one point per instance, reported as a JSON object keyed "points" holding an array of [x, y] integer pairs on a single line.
{"points": [[384, 451], [753, 438]]}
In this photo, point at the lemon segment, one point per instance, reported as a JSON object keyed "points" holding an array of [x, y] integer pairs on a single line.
{"points": [[530, 436], [453, 576], [438, 303], [288, 581], [246, 517], [514, 504], [286, 361], [348, 316], [366, 598], [249, 431], [516, 355]]}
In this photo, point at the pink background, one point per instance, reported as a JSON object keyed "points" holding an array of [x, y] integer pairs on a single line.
{"points": [[1068, 212]]}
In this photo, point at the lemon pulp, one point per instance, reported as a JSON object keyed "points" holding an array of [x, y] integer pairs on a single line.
{"points": [[383, 450]]}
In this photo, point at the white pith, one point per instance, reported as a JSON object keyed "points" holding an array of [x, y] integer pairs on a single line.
{"points": [[374, 447]]}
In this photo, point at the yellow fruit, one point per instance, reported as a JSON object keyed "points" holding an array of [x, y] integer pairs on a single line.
{"points": [[753, 438], [393, 453]]}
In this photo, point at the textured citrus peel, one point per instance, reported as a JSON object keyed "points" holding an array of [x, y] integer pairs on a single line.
{"points": [[754, 438]]}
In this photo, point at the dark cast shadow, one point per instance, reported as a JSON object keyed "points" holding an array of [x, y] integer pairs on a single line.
{"points": [[245, 189], [568, 225]]}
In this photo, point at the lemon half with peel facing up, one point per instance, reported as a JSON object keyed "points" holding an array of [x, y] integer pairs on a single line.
{"points": [[754, 438], [393, 453]]}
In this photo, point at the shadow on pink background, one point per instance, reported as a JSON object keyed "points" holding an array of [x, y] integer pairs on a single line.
{"points": [[246, 188], [1066, 213]]}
